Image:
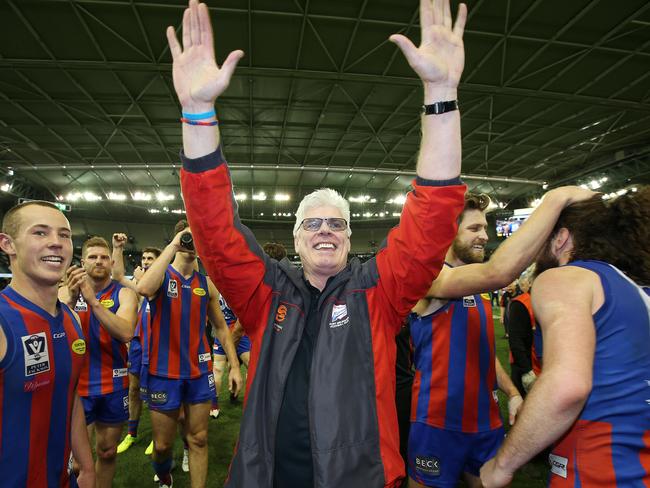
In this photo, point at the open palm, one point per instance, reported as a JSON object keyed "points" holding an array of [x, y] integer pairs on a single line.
{"points": [[198, 79], [440, 58]]}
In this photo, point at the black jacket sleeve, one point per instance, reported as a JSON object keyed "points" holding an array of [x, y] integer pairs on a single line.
{"points": [[520, 334]]}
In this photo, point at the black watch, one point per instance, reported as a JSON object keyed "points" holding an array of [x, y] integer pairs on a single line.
{"points": [[440, 107]]}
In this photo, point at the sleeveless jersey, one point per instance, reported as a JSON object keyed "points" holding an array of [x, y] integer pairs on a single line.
{"points": [[142, 330], [609, 444], [105, 370], [455, 372], [178, 346], [38, 377]]}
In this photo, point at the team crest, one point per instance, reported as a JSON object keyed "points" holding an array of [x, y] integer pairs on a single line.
{"points": [[339, 315], [469, 301], [81, 305], [37, 358], [172, 289]]}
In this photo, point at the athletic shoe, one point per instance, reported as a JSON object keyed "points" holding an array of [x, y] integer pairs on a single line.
{"points": [[186, 461], [126, 443], [214, 413], [149, 450], [170, 485], [155, 476]]}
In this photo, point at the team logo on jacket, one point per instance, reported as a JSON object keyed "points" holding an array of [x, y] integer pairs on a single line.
{"points": [[172, 289], [428, 465], [81, 305], [280, 315], [37, 358], [469, 301], [339, 315], [558, 465]]}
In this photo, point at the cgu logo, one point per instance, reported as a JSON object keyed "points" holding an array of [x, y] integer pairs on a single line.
{"points": [[281, 313]]}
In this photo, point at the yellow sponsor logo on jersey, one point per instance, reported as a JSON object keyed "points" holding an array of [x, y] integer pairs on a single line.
{"points": [[199, 291], [79, 346], [108, 303], [485, 296]]}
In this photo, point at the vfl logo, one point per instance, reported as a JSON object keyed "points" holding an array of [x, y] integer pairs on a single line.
{"points": [[469, 301], [339, 316], [429, 465], [558, 465], [37, 359], [81, 305], [172, 289]]}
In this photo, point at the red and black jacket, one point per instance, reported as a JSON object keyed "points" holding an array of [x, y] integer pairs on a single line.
{"points": [[354, 435]]}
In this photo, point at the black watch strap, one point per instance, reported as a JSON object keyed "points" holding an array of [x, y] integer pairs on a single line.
{"points": [[440, 107]]}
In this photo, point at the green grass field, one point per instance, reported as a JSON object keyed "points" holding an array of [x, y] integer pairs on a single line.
{"points": [[134, 468]]}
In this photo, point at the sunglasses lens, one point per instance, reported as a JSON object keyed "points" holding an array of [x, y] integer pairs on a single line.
{"points": [[336, 224]]}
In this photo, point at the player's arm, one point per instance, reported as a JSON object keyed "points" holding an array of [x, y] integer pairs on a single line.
{"points": [[237, 332], [563, 302], [80, 446], [120, 324], [506, 385], [119, 270], [222, 333], [514, 255], [3, 343], [151, 281]]}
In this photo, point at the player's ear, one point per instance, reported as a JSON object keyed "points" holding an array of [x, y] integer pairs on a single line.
{"points": [[7, 244]]}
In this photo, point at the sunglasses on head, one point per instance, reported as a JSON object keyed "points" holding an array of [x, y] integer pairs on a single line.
{"points": [[335, 224]]}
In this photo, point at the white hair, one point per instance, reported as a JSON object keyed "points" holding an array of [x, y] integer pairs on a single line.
{"points": [[322, 198]]}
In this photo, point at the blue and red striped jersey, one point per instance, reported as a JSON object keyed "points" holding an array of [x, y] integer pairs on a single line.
{"points": [[609, 444], [38, 377], [105, 370], [455, 372], [143, 329], [178, 346]]}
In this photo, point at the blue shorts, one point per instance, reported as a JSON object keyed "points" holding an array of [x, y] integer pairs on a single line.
{"points": [[112, 408], [438, 457], [170, 394], [135, 356], [144, 375], [243, 346]]}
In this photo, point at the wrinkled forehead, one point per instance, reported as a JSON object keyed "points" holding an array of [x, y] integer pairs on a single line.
{"points": [[324, 211]]}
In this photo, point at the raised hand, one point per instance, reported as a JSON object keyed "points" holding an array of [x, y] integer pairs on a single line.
{"points": [[440, 58], [119, 239], [198, 79]]}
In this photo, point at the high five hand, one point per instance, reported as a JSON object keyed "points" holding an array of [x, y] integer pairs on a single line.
{"points": [[198, 79]]}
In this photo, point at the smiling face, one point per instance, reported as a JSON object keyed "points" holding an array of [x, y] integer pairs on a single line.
{"points": [[41, 246], [323, 252], [469, 244]]}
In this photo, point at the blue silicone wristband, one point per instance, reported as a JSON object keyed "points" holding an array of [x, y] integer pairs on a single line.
{"points": [[204, 115]]}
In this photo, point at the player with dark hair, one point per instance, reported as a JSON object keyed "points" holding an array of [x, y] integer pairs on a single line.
{"points": [[42, 351], [275, 250], [181, 301], [139, 345], [590, 401], [455, 420], [107, 311]]}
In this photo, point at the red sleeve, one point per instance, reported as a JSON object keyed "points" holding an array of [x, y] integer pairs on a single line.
{"points": [[416, 248], [233, 259]]}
